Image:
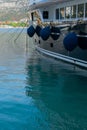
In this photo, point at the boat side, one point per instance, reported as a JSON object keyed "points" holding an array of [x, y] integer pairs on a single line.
{"points": [[56, 50]]}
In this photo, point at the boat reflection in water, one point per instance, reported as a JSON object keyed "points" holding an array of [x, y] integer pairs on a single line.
{"points": [[60, 94]]}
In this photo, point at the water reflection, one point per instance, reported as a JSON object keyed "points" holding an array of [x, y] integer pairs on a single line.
{"points": [[59, 91], [56, 93]]}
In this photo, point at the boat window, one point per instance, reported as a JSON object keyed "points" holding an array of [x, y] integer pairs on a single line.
{"points": [[62, 13], [86, 10], [57, 13], [80, 10], [39, 41], [45, 14], [32, 16], [73, 11], [67, 12]]}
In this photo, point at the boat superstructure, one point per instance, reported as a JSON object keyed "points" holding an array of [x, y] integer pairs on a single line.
{"points": [[59, 29]]}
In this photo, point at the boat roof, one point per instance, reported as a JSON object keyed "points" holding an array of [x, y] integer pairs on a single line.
{"points": [[42, 3]]}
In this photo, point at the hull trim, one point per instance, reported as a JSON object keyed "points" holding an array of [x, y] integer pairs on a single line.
{"points": [[68, 59], [81, 35]]}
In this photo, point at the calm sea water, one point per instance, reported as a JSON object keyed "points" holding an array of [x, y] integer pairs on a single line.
{"points": [[37, 93]]}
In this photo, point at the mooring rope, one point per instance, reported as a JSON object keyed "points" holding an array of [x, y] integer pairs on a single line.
{"points": [[19, 34], [12, 35]]}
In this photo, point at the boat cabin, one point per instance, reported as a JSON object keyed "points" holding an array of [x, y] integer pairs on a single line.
{"points": [[71, 10]]}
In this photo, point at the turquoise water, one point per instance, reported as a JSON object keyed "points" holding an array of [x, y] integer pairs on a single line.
{"points": [[37, 93]]}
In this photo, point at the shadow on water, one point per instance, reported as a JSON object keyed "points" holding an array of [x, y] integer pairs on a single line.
{"points": [[61, 89]]}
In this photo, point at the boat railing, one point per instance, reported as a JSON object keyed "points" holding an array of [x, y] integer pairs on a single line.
{"points": [[74, 61]]}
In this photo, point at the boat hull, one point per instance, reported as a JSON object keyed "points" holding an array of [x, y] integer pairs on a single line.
{"points": [[56, 50]]}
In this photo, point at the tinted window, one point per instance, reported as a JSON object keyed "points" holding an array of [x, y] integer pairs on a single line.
{"points": [[80, 10], [73, 11], [45, 14], [86, 10], [62, 13], [57, 13]]}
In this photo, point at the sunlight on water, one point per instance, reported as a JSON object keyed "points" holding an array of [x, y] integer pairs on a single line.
{"points": [[37, 93]]}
